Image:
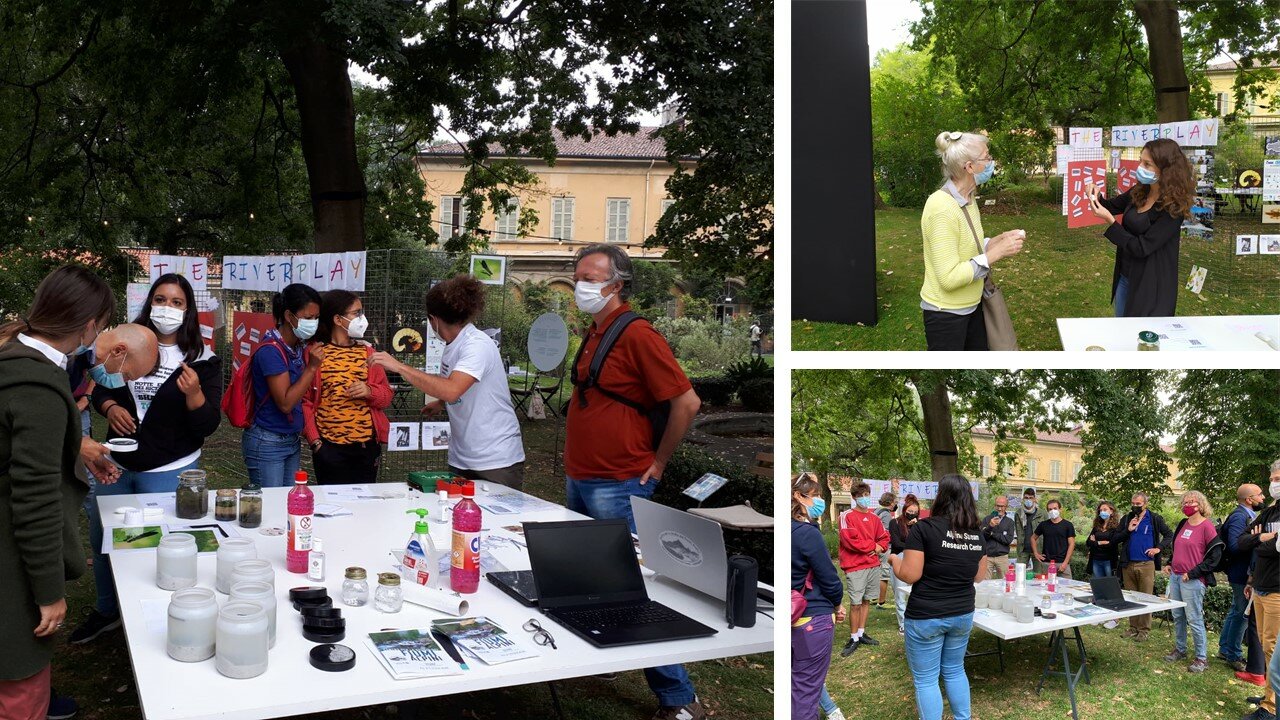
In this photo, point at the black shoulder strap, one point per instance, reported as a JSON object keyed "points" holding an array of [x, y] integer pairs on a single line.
{"points": [[607, 341]]}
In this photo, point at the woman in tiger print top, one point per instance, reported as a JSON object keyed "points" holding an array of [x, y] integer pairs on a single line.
{"points": [[345, 422]]}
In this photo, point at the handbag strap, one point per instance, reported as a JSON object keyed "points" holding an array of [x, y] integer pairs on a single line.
{"points": [[988, 284]]}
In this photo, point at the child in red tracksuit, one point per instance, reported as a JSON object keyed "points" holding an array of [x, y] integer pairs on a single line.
{"points": [[862, 540]]}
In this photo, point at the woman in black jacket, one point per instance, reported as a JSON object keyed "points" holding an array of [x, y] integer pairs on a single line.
{"points": [[1145, 280], [1104, 541], [814, 576], [169, 412]]}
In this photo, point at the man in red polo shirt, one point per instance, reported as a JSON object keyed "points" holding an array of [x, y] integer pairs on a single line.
{"points": [[608, 450]]}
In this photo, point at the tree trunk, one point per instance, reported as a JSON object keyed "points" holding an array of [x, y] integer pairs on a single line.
{"points": [[327, 111], [876, 199], [825, 484], [1168, 72], [938, 430]]}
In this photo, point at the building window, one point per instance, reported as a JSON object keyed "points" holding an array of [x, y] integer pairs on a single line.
{"points": [[1033, 466], [617, 219], [666, 205], [1223, 104], [1055, 471], [508, 223], [985, 461], [447, 203], [1075, 471], [562, 218]]}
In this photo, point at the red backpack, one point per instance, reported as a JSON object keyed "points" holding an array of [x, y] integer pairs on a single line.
{"points": [[239, 401]]}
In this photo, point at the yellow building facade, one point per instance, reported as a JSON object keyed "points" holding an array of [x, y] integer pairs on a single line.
{"points": [[1261, 110]]}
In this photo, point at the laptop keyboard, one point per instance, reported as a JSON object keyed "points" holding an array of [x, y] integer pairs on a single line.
{"points": [[620, 616]]}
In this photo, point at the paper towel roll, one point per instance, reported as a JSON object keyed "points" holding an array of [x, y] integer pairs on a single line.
{"points": [[446, 602]]}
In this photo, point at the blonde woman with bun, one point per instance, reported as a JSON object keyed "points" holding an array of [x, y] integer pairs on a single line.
{"points": [[954, 264]]}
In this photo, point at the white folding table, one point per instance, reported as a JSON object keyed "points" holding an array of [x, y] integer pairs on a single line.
{"points": [[1004, 626], [172, 690], [1213, 332]]}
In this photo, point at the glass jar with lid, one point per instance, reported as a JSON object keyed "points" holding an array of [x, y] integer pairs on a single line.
{"points": [[192, 500], [251, 505], [224, 505], [176, 562], [193, 618], [388, 597], [243, 638], [355, 588], [1148, 341]]}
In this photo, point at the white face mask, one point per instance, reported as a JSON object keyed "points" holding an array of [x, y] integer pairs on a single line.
{"points": [[357, 326], [1053, 514], [1275, 490], [587, 296], [167, 319]]}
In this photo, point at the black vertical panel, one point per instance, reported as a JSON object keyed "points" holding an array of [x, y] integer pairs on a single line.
{"points": [[833, 243]]}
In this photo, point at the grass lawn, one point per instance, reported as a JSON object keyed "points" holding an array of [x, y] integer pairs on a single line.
{"points": [[1129, 680], [99, 676], [1060, 273]]}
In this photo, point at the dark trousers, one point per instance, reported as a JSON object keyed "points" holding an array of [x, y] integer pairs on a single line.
{"points": [[347, 464], [512, 476], [948, 331], [1256, 661]]}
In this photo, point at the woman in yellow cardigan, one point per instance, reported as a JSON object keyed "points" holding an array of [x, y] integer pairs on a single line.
{"points": [[957, 256]]}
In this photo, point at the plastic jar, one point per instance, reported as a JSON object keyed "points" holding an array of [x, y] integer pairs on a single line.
{"points": [[355, 588], [192, 498], [224, 505], [388, 597], [193, 619], [260, 593], [176, 562], [243, 638], [230, 552], [250, 506], [1025, 610], [252, 571]]}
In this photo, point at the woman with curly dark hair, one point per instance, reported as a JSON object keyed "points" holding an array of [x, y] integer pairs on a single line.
{"points": [[1145, 281], [484, 434]]}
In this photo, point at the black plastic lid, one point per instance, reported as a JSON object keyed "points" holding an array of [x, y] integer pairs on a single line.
{"points": [[333, 658], [323, 603], [308, 592], [321, 635], [323, 624], [324, 611]]}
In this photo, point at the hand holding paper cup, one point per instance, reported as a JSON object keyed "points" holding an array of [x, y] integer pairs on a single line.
{"points": [[1005, 244]]}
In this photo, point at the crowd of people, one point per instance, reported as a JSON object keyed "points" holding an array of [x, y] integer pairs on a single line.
{"points": [[945, 553], [314, 378]]}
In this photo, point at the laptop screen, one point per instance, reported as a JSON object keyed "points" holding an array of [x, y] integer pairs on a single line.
{"points": [[584, 562], [1106, 588]]}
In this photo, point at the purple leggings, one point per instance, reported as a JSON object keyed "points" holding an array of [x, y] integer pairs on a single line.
{"points": [[810, 659]]}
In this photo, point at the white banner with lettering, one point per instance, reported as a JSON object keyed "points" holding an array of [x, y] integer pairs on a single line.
{"points": [[922, 489], [322, 271]]}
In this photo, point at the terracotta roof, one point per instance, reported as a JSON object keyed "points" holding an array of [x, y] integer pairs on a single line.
{"points": [[1070, 437], [1233, 64], [644, 145]]}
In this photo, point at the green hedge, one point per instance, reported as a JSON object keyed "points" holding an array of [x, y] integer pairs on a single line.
{"points": [[757, 395], [714, 390]]}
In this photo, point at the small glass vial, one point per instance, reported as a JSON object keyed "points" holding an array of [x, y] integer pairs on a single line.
{"points": [[315, 561], [176, 562], [193, 619], [192, 497], [243, 638], [263, 594], [1148, 341], [388, 598], [355, 588], [224, 506], [252, 571], [1046, 602], [251, 506], [230, 552]]}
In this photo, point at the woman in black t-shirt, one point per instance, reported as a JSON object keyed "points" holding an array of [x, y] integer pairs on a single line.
{"points": [[943, 559]]}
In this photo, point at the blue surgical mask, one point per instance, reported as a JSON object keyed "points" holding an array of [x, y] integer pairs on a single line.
{"points": [[109, 380], [306, 328], [986, 173], [818, 507], [864, 502], [1145, 176], [1104, 515], [86, 348]]}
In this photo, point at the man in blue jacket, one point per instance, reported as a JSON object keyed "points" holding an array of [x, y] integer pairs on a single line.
{"points": [[1249, 500]]}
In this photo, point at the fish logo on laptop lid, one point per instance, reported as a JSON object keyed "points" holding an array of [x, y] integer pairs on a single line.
{"points": [[680, 548]]}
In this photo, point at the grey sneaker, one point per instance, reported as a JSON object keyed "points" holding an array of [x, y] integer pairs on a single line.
{"points": [[1199, 666], [692, 711], [1175, 656]]}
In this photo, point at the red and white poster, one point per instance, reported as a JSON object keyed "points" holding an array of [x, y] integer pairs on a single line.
{"points": [[1128, 175], [207, 323], [247, 331], [1079, 174]]}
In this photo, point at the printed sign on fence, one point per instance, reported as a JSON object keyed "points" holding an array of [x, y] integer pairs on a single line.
{"points": [[322, 271], [194, 269], [1079, 174], [1127, 175], [1134, 135], [247, 330], [1085, 137]]}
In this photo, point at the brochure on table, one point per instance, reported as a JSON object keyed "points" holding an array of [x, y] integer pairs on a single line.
{"points": [[410, 654], [121, 539], [484, 639]]}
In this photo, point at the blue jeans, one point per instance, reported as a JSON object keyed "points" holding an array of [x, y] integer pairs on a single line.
{"points": [[271, 458], [826, 703], [1190, 592], [1233, 626], [130, 483], [1101, 568], [936, 647], [607, 499], [1122, 295]]}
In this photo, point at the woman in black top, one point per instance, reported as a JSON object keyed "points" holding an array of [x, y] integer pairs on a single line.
{"points": [[1145, 281], [1104, 541], [943, 560], [814, 576]]}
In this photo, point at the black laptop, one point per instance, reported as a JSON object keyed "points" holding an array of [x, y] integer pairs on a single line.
{"points": [[588, 579], [1106, 594]]}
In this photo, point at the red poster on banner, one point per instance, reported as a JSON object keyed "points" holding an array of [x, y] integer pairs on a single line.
{"points": [[1128, 175], [1079, 174], [247, 330], [206, 329]]}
